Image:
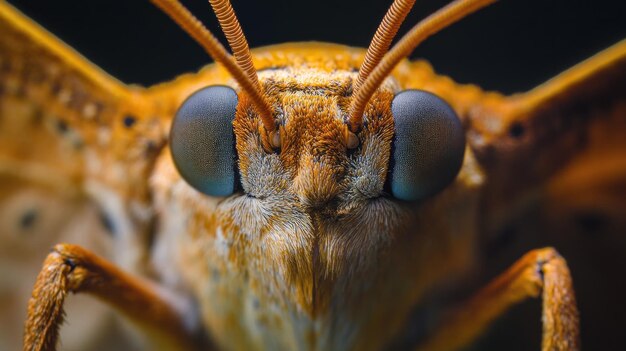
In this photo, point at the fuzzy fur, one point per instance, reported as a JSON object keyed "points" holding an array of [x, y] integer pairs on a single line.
{"points": [[314, 255]]}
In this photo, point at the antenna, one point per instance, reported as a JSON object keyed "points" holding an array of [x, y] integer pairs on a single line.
{"points": [[190, 24], [382, 39], [439, 20], [236, 39]]}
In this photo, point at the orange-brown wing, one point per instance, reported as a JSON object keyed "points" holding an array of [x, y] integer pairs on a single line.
{"points": [[555, 174], [555, 160], [57, 107], [564, 141], [76, 149]]}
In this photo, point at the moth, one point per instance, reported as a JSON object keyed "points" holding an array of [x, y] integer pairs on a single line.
{"points": [[319, 227]]}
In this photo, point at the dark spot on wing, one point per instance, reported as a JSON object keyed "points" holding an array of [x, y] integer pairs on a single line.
{"points": [[516, 130], [61, 126], [28, 219], [129, 121], [107, 222]]}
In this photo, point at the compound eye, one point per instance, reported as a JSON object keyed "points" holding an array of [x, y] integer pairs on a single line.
{"points": [[429, 145], [203, 143]]}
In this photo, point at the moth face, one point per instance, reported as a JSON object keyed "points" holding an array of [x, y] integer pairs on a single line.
{"points": [[318, 213], [411, 145], [313, 164]]}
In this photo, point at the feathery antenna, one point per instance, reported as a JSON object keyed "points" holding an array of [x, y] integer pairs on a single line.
{"points": [[189, 23], [439, 20]]}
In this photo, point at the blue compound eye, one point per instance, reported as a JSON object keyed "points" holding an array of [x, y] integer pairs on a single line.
{"points": [[203, 143], [429, 145]]}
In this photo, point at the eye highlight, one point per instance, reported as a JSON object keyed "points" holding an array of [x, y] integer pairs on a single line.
{"points": [[429, 145], [202, 141]]}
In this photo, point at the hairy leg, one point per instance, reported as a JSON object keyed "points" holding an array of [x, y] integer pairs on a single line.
{"points": [[539, 272], [70, 268]]}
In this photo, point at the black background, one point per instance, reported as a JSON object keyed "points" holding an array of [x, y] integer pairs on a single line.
{"points": [[510, 46]]}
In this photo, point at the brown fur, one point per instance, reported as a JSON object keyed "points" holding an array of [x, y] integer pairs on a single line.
{"points": [[314, 240]]}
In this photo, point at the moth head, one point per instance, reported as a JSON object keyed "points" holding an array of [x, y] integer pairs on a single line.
{"points": [[428, 143]]}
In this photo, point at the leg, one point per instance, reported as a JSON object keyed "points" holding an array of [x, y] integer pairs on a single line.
{"points": [[70, 268], [538, 272]]}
